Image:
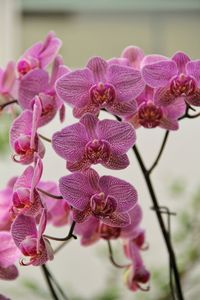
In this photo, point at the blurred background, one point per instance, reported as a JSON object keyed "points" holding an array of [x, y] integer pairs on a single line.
{"points": [[105, 28]]}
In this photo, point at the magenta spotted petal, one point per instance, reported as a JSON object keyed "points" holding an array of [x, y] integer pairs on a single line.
{"points": [[100, 85], [92, 141], [121, 190]]}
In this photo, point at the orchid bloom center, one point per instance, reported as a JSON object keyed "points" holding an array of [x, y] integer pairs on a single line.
{"points": [[23, 67], [102, 206], [47, 106], [29, 246], [182, 85], [97, 151], [141, 275], [149, 115], [102, 94], [21, 198], [108, 232], [22, 144]]}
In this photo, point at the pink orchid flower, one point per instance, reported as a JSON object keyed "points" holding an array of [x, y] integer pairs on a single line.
{"points": [[107, 198], [93, 229], [7, 81], [9, 254], [6, 205], [88, 231], [151, 115], [24, 139], [101, 85], [92, 141], [38, 85], [26, 198], [31, 241], [136, 274], [58, 210], [40, 55], [175, 78]]}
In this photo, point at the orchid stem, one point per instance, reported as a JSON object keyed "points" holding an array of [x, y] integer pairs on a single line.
{"points": [[44, 138], [161, 222], [68, 237], [160, 152], [2, 106], [49, 194], [49, 283], [112, 257], [56, 284]]}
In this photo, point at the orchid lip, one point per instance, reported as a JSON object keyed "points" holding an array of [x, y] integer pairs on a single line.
{"points": [[183, 85], [102, 94], [23, 67], [150, 115], [102, 206], [97, 151]]}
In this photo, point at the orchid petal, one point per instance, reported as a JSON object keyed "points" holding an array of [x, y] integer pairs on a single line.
{"points": [[70, 142], [134, 55], [33, 83], [120, 135], [122, 191], [98, 66], [128, 82], [76, 190], [159, 74], [181, 60], [74, 87]]}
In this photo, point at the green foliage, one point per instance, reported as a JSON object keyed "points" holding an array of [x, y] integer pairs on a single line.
{"points": [[4, 132]]}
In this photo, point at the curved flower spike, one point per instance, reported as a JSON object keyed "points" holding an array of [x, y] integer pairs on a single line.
{"points": [[92, 141], [23, 135], [30, 240], [101, 85], [107, 198]]}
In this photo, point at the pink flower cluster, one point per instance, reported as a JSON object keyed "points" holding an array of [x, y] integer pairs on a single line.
{"points": [[148, 91]]}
